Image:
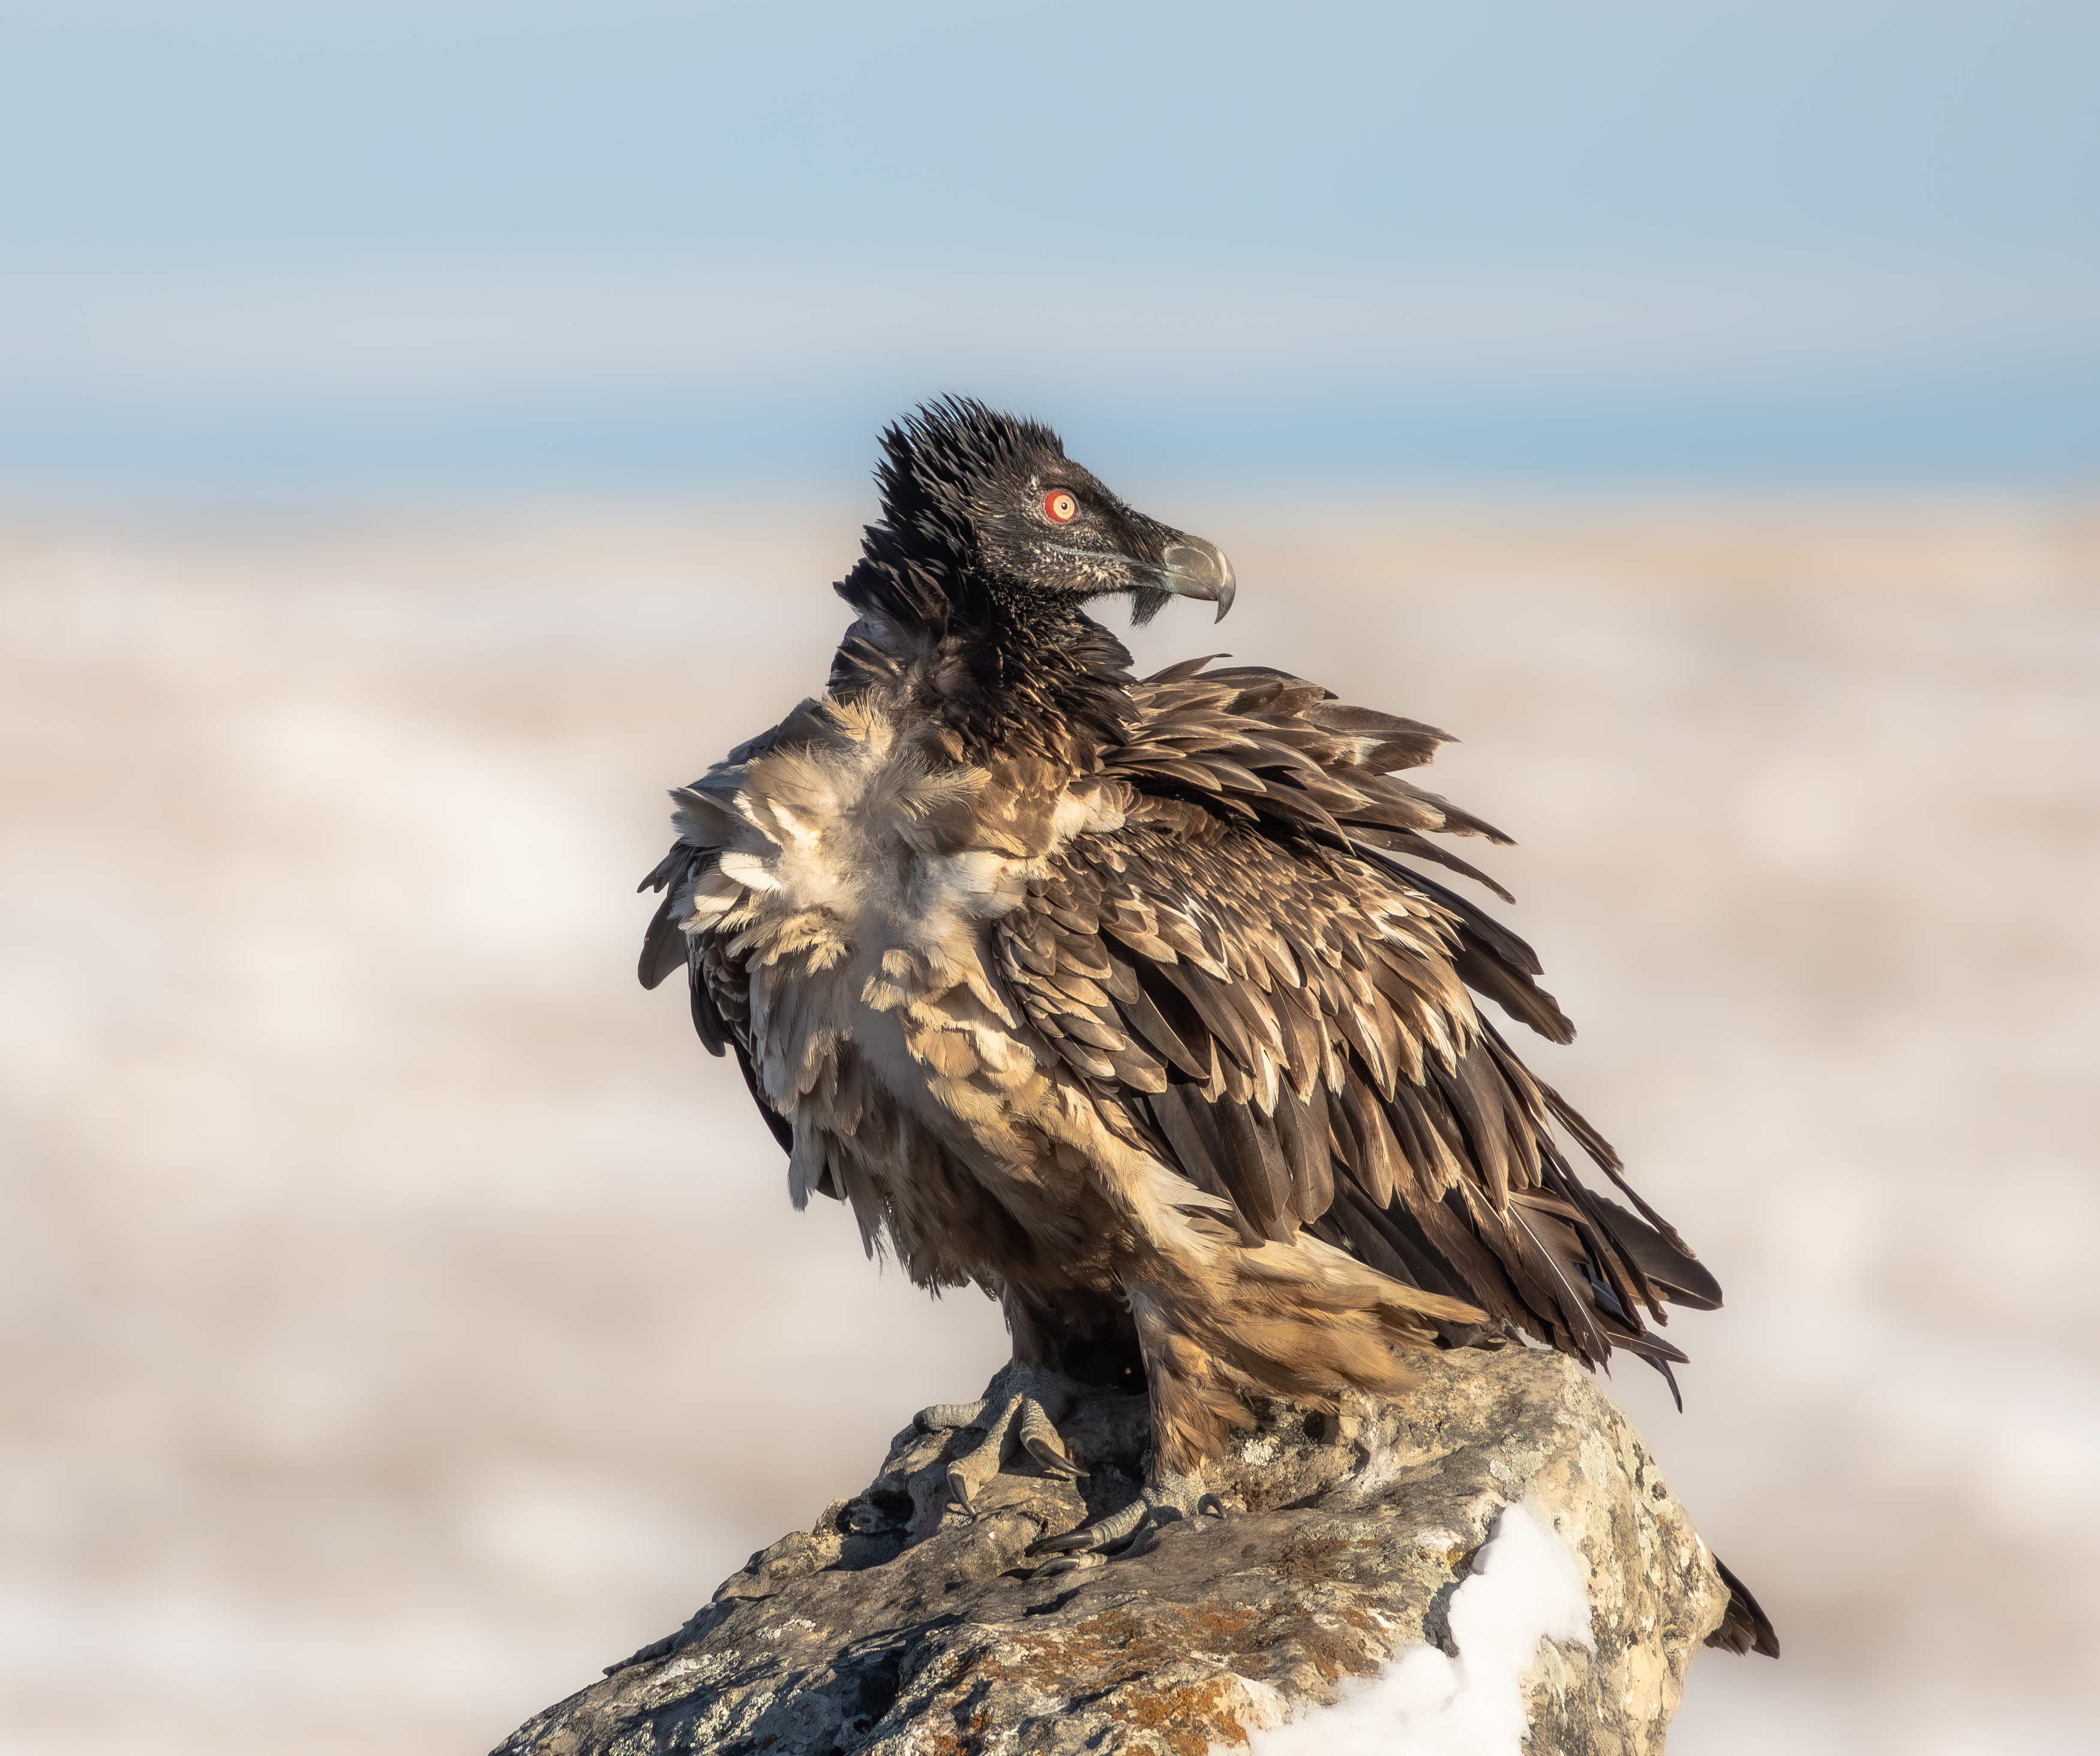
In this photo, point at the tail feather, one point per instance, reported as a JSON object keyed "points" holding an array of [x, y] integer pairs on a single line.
{"points": [[1746, 1628]]}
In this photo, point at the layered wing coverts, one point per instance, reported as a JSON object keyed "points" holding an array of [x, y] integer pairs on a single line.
{"points": [[1249, 967]]}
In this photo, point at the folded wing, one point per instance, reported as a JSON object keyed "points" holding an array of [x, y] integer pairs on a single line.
{"points": [[1254, 971]]}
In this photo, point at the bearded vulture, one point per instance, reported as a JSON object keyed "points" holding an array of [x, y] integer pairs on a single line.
{"points": [[1130, 1000]]}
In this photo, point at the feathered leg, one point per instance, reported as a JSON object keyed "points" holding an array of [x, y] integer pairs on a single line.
{"points": [[1190, 1413], [1302, 1322]]}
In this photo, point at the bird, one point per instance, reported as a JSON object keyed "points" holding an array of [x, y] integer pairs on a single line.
{"points": [[1133, 1002]]}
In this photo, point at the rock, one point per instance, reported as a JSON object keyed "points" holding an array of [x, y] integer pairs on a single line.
{"points": [[896, 1627]]}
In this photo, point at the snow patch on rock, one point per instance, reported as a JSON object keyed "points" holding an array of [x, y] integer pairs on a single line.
{"points": [[1525, 1587]]}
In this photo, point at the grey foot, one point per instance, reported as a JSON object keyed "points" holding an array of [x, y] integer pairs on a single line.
{"points": [[1129, 1530], [1024, 1414]]}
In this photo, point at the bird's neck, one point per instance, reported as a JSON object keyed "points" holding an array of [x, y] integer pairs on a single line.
{"points": [[1005, 671], [1044, 680]]}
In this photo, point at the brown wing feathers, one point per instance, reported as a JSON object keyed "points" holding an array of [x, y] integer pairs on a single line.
{"points": [[1218, 965], [666, 947]]}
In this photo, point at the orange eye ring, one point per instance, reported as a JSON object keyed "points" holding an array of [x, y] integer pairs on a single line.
{"points": [[1059, 506]]}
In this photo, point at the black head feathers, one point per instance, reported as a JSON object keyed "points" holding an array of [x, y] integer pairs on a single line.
{"points": [[985, 518], [950, 463]]}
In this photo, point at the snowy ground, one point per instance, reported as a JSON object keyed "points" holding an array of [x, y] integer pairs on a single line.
{"points": [[402, 1316], [1525, 1585]]}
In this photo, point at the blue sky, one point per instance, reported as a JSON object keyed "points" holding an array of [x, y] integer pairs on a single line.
{"points": [[252, 250]]}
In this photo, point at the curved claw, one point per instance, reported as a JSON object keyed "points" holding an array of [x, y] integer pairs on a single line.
{"points": [[1102, 1534], [1129, 1530], [1020, 1416], [1070, 1564], [1042, 1442], [969, 1472]]}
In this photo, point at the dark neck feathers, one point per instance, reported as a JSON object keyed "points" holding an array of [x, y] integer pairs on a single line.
{"points": [[1007, 670]]}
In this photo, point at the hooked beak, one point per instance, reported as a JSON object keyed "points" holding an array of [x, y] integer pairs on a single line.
{"points": [[1191, 567]]}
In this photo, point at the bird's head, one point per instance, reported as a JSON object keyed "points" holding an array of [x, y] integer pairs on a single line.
{"points": [[993, 498]]}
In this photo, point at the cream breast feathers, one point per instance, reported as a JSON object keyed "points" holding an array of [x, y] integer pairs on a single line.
{"points": [[855, 835]]}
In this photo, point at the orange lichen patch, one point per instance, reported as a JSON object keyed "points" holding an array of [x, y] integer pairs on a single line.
{"points": [[1185, 1721], [1224, 1728], [1133, 1646], [1120, 1650]]}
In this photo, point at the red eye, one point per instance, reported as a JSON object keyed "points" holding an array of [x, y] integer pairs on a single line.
{"points": [[1060, 506]]}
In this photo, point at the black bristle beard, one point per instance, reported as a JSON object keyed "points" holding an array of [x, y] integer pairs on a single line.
{"points": [[1145, 603]]}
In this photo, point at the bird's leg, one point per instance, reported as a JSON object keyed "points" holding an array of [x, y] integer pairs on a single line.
{"points": [[1183, 1398], [1166, 1498], [1022, 1411]]}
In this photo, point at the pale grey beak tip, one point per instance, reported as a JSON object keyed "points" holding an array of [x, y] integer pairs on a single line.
{"points": [[1193, 568]]}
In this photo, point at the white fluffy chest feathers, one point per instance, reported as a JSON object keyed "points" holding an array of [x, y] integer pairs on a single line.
{"points": [[852, 845]]}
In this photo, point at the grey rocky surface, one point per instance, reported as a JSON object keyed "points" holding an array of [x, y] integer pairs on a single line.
{"points": [[897, 1626]]}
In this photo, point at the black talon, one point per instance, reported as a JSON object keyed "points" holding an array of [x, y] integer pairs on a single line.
{"points": [[1105, 1536]]}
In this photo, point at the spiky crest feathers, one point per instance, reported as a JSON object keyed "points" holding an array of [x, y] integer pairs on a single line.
{"points": [[937, 464]]}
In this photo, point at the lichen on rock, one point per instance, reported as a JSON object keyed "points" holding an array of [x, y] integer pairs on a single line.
{"points": [[897, 1626]]}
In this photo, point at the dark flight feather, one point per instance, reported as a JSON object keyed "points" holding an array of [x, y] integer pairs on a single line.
{"points": [[1746, 1628]]}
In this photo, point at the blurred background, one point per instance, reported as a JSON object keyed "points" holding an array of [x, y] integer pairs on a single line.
{"points": [[412, 414]]}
